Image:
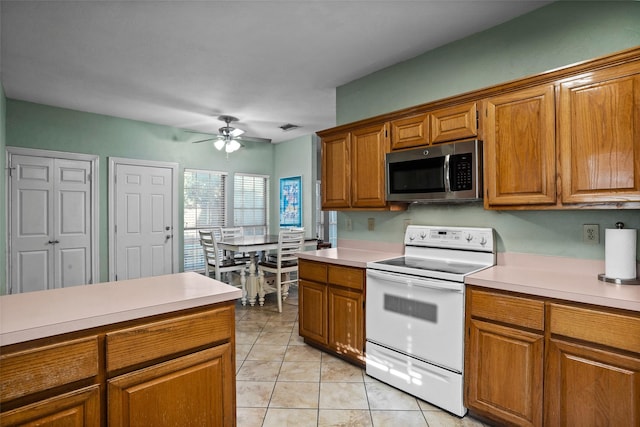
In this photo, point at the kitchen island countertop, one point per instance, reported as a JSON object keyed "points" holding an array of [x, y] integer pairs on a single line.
{"points": [[40, 314], [347, 256], [557, 277]]}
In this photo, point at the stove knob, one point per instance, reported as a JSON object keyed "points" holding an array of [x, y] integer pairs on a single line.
{"points": [[412, 237], [423, 235], [469, 238], [483, 241]]}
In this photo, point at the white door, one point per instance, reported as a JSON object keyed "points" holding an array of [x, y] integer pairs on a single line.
{"points": [[50, 223], [144, 220]]}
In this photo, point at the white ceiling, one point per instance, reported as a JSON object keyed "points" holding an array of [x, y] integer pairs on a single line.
{"points": [[183, 63]]}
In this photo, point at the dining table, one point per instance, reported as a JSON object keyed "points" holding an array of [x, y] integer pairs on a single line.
{"points": [[252, 245]]}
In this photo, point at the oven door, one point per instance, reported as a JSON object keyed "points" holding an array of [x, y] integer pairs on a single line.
{"points": [[417, 316]]}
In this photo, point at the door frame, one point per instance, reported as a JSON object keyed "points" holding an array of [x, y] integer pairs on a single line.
{"points": [[94, 161], [113, 163]]}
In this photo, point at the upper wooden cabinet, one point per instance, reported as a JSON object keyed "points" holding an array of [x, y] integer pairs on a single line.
{"points": [[519, 145], [599, 138], [410, 132], [336, 171], [564, 139], [353, 168], [368, 148], [458, 122], [434, 127]]}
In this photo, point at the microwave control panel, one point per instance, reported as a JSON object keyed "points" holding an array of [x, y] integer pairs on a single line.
{"points": [[461, 172]]}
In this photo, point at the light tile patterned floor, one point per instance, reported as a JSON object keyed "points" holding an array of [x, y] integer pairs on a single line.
{"points": [[281, 381]]}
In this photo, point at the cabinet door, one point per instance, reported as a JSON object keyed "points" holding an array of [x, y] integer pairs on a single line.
{"points": [[520, 148], [194, 390], [600, 136], [346, 329], [368, 148], [312, 298], [77, 408], [504, 373], [410, 132], [586, 386], [459, 122], [336, 171]]}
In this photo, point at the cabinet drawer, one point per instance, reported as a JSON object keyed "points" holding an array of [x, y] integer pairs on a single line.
{"points": [[42, 368], [524, 312], [128, 347], [596, 326], [349, 277], [310, 270]]}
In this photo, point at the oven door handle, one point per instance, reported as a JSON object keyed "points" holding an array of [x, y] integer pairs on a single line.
{"points": [[424, 283]]}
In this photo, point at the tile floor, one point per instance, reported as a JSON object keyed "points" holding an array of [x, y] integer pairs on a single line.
{"points": [[281, 381]]}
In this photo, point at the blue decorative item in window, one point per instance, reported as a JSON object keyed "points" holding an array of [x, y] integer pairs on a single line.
{"points": [[291, 202]]}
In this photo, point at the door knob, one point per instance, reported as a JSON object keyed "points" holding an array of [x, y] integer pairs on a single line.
{"points": [[167, 237], [53, 242]]}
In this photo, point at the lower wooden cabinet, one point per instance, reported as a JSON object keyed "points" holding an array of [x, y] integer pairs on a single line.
{"points": [[587, 386], [312, 300], [593, 367], [534, 362], [176, 369], [504, 357], [505, 372], [76, 408], [331, 308], [194, 390], [346, 322]]}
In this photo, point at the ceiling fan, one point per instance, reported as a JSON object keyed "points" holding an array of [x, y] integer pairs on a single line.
{"points": [[228, 137]]}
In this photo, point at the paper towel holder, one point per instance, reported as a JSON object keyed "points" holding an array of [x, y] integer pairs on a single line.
{"points": [[602, 277]]}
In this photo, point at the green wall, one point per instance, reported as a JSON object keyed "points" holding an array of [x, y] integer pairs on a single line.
{"points": [[556, 35], [3, 209], [296, 157], [43, 127]]}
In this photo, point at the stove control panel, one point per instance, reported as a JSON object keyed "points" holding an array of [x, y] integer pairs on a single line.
{"points": [[469, 238]]}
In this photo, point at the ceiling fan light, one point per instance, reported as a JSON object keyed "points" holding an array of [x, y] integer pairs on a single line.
{"points": [[232, 146], [219, 144]]}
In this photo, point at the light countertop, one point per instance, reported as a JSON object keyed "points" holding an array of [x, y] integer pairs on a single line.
{"points": [[34, 315], [347, 256], [557, 277]]}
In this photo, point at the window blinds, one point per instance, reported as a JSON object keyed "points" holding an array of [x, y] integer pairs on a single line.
{"points": [[204, 208], [250, 199]]}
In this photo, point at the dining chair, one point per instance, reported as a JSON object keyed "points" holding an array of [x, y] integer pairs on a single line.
{"points": [[290, 242], [228, 233], [216, 262]]}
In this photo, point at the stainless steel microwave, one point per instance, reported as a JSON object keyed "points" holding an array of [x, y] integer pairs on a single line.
{"points": [[438, 173]]}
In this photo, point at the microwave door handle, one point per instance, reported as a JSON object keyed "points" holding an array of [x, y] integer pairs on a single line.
{"points": [[447, 180]]}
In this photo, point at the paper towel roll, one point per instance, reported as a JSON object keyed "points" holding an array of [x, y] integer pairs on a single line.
{"points": [[620, 253]]}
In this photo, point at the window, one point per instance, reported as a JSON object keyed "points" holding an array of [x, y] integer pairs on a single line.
{"points": [[204, 208], [250, 200], [326, 221]]}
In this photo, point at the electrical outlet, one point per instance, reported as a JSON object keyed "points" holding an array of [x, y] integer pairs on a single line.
{"points": [[371, 224], [591, 234]]}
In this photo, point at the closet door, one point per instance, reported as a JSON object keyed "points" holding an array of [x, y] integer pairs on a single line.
{"points": [[51, 224]]}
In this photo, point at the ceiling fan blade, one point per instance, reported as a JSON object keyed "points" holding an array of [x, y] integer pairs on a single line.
{"points": [[203, 140], [253, 139], [236, 132]]}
